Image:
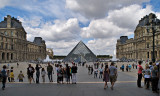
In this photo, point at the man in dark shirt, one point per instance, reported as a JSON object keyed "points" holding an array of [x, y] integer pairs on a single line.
{"points": [[74, 71], [49, 70]]}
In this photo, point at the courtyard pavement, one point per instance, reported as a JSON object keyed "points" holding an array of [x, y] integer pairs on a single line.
{"points": [[86, 85]]}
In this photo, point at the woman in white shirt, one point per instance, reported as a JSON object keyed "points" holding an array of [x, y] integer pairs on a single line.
{"points": [[43, 73]]}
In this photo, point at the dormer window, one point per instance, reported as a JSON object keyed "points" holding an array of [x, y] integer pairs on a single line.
{"points": [[11, 33], [6, 33]]}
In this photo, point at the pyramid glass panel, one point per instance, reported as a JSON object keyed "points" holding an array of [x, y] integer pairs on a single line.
{"points": [[80, 53]]}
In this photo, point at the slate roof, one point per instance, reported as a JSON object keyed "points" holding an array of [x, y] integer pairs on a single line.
{"points": [[14, 23]]}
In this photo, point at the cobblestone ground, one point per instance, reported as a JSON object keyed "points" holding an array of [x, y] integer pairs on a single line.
{"points": [[86, 85]]}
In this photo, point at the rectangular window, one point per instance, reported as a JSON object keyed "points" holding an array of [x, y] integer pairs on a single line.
{"points": [[147, 45], [148, 54], [2, 45], [6, 46], [11, 47]]}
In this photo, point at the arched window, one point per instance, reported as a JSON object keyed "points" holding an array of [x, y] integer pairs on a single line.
{"points": [[11, 56], [7, 56]]}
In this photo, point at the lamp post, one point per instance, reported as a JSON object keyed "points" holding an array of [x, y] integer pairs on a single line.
{"points": [[153, 57], [153, 26]]}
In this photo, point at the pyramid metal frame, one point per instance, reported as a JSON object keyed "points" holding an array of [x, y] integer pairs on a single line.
{"points": [[77, 56]]}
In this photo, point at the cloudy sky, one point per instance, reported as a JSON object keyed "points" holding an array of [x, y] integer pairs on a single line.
{"points": [[63, 23]]}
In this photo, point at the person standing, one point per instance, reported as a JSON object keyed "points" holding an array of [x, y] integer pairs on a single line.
{"points": [[122, 68], [95, 72], [106, 76], [4, 77], [129, 66], [112, 74], [155, 77], [43, 73], [30, 71], [17, 65], [8, 75], [12, 76], [50, 70], [147, 76], [100, 72], [74, 71], [37, 72], [20, 77], [60, 74], [89, 70], [133, 65], [67, 74], [140, 68]]}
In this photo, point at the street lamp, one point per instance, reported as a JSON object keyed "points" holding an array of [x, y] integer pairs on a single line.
{"points": [[153, 26]]}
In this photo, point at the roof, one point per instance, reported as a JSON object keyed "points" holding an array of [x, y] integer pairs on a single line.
{"points": [[14, 23]]}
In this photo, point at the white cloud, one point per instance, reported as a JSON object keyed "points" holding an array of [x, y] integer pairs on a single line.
{"points": [[107, 30], [52, 31], [98, 8]]}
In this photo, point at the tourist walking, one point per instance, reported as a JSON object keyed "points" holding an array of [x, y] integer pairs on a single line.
{"points": [[37, 68], [147, 76], [122, 67], [106, 76], [4, 76], [112, 74], [74, 72], [100, 72], [155, 77], [129, 66], [43, 74], [20, 76], [140, 68], [91, 69], [30, 71], [50, 70]]}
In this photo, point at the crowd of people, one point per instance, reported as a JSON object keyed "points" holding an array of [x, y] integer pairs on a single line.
{"points": [[67, 72], [107, 73], [150, 74], [128, 67]]}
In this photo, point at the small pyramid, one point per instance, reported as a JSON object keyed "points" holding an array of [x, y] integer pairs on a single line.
{"points": [[80, 53]]}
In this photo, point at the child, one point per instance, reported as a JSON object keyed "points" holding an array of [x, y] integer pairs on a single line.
{"points": [[147, 76], [43, 73], [12, 76], [20, 76]]}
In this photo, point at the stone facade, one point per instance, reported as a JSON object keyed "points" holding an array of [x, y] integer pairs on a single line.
{"points": [[14, 45], [141, 46]]}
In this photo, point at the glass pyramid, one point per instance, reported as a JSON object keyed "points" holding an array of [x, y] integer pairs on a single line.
{"points": [[80, 53]]}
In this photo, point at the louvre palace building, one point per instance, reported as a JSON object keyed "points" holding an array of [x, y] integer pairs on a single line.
{"points": [[14, 45], [141, 46]]}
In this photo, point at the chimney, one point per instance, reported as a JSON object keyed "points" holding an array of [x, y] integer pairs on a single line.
{"points": [[8, 21]]}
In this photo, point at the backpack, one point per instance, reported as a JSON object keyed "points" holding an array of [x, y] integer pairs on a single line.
{"points": [[3, 73]]}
